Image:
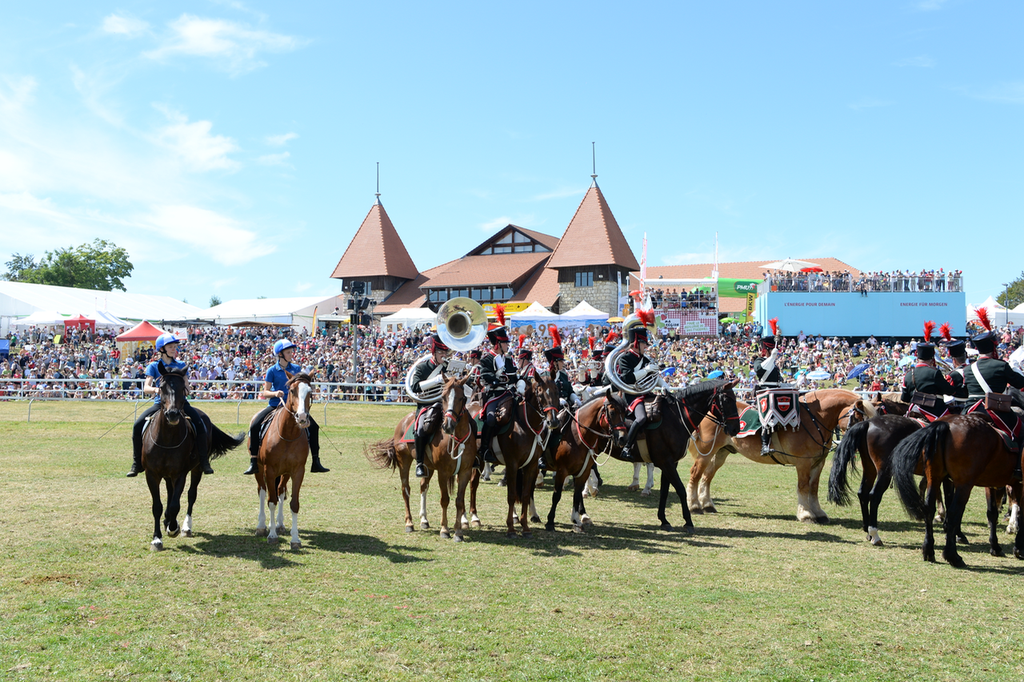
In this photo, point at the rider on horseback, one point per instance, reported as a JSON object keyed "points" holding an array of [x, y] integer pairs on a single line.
{"points": [[167, 349], [275, 387], [426, 378], [768, 376], [924, 383], [988, 377], [567, 396], [496, 373], [633, 365]]}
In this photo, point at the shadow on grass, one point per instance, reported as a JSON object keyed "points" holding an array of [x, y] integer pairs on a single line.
{"points": [[248, 546]]}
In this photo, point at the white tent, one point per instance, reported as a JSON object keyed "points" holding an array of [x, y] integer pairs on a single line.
{"points": [[295, 312], [535, 315], [41, 318], [106, 320], [583, 315], [21, 298], [997, 314], [407, 318]]}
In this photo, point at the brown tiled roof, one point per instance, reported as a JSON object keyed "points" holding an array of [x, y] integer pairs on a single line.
{"points": [[408, 295], [376, 250], [546, 239], [542, 286], [506, 268], [593, 237]]}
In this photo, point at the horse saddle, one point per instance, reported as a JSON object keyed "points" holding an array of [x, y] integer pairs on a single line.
{"points": [[265, 424], [779, 407], [149, 420]]}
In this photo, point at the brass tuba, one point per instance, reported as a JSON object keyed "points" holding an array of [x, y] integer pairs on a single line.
{"points": [[648, 383]]}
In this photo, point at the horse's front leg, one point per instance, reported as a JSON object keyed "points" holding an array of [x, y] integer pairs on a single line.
{"points": [[556, 495], [153, 481], [424, 487], [663, 502], [174, 491], [272, 503], [464, 477], [804, 510], [581, 520], [444, 483], [529, 481], [404, 463], [296, 485], [993, 499], [474, 483], [635, 484], [282, 497], [812, 498], [193, 492], [677, 483], [511, 474], [697, 469]]}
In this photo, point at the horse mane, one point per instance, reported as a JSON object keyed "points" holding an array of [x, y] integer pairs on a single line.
{"points": [[301, 376], [701, 389]]}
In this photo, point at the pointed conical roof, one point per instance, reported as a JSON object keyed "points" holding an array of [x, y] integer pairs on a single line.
{"points": [[593, 237], [376, 250]]}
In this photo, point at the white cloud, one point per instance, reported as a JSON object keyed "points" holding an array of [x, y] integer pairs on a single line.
{"points": [[921, 61], [193, 143], [222, 238], [233, 45], [868, 103], [280, 140], [275, 159], [126, 26]]}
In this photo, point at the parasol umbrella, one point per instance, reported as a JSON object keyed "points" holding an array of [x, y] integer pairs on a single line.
{"points": [[907, 359], [818, 375], [812, 269], [727, 320], [668, 371], [790, 264], [857, 371], [717, 374], [615, 320]]}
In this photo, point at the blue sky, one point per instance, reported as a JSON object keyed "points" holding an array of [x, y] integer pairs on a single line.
{"points": [[231, 147]]}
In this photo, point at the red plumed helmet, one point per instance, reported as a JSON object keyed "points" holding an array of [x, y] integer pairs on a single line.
{"points": [[590, 342], [499, 312], [946, 331], [646, 316], [611, 338], [774, 324], [929, 327], [556, 340], [522, 340], [983, 318]]}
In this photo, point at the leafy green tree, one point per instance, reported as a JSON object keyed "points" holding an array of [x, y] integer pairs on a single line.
{"points": [[215, 300], [1014, 296], [100, 265]]}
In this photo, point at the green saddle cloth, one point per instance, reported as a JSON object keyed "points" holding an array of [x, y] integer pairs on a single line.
{"points": [[750, 422]]}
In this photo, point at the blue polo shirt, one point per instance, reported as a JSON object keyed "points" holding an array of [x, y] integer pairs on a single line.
{"points": [[278, 380], [153, 370]]}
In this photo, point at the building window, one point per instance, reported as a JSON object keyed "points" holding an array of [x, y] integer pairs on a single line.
{"points": [[502, 249], [507, 239], [584, 279], [520, 238], [501, 294], [478, 294], [459, 293], [540, 248], [527, 248]]}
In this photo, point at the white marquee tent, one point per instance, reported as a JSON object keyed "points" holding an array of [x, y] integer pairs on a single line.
{"points": [[294, 312], [583, 315], [998, 315], [407, 318], [535, 315]]}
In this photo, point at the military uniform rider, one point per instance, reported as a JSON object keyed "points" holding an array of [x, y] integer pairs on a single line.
{"points": [[997, 375], [275, 387], [566, 395], [924, 378], [766, 369], [496, 374], [633, 366], [167, 350], [425, 376], [957, 350]]}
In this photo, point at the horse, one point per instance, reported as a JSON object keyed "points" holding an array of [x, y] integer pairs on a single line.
{"points": [[958, 452], [590, 430], [283, 454], [167, 455], [824, 411], [450, 454], [666, 442]]}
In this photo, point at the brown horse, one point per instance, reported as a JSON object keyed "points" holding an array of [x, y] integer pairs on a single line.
{"points": [[450, 455], [966, 451], [590, 431], [167, 455], [665, 444], [283, 454], [822, 413]]}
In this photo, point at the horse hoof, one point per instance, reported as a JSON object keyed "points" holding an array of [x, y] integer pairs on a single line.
{"points": [[262, 532], [476, 524], [273, 540], [822, 520], [666, 526], [632, 488], [549, 526], [186, 533], [511, 535], [586, 522], [696, 510], [877, 542], [281, 530], [501, 483], [173, 533], [689, 529], [296, 545], [156, 547], [445, 535], [424, 526], [710, 509], [957, 562], [645, 493], [997, 551], [578, 530], [457, 538], [1017, 554], [961, 539], [527, 533], [534, 519], [408, 529]]}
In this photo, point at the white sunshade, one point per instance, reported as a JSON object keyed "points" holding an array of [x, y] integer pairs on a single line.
{"points": [[40, 318], [584, 311], [534, 311], [790, 264]]}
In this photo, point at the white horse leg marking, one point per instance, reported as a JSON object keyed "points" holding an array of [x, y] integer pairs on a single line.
{"points": [[533, 511], [486, 475], [261, 520], [873, 536], [635, 485], [186, 526], [296, 543], [590, 489], [650, 480], [803, 511], [272, 535], [280, 512], [1014, 523], [156, 545], [423, 510]]}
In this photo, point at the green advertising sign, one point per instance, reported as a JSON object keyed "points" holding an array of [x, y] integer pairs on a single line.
{"points": [[737, 288]]}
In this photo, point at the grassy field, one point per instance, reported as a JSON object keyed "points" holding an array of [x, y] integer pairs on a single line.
{"points": [[753, 595]]}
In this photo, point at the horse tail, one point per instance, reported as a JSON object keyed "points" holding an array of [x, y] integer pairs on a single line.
{"points": [[382, 454], [852, 442], [904, 461], [222, 442]]}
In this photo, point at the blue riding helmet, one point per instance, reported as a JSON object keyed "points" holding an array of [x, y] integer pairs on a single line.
{"points": [[165, 339], [281, 345]]}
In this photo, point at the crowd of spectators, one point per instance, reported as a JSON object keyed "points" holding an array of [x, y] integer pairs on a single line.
{"points": [[229, 363], [681, 299], [866, 282]]}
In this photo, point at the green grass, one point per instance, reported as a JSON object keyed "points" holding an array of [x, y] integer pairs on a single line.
{"points": [[752, 595]]}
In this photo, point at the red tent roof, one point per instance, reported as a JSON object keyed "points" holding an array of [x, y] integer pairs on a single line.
{"points": [[143, 331]]}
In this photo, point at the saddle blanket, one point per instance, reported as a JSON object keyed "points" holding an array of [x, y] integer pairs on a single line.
{"points": [[1008, 424], [779, 407], [750, 422]]}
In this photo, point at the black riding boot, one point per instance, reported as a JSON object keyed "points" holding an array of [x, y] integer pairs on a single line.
{"points": [[136, 465], [254, 454], [634, 431], [317, 467], [486, 454], [766, 442], [421, 445]]}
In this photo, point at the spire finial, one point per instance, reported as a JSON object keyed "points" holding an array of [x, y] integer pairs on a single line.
{"points": [[378, 182], [593, 154]]}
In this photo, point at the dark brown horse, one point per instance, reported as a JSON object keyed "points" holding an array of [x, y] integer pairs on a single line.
{"points": [[681, 415], [967, 451], [450, 455], [591, 430], [283, 453], [167, 455]]}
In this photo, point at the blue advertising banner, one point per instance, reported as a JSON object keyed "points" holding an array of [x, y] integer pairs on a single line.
{"points": [[851, 314]]}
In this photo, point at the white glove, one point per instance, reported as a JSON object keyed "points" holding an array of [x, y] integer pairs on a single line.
{"points": [[595, 374], [769, 364], [432, 382], [643, 372], [521, 387]]}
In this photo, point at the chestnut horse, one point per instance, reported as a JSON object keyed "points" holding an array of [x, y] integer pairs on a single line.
{"points": [[966, 451], [167, 455], [822, 413], [450, 454], [590, 431], [283, 454], [682, 413]]}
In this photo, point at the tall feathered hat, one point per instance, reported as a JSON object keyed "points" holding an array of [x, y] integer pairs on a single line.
{"points": [[610, 342], [590, 345], [985, 342], [955, 347], [926, 349], [523, 353], [768, 342], [555, 352], [498, 333], [436, 343], [638, 330]]}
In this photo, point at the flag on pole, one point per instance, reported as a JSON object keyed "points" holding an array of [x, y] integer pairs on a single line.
{"points": [[314, 319], [643, 269]]}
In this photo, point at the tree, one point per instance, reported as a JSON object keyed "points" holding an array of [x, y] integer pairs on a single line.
{"points": [[215, 300], [1014, 296], [100, 265]]}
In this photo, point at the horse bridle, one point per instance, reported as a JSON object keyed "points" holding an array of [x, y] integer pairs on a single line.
{"points": [[284, 406], [602, 415]]}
